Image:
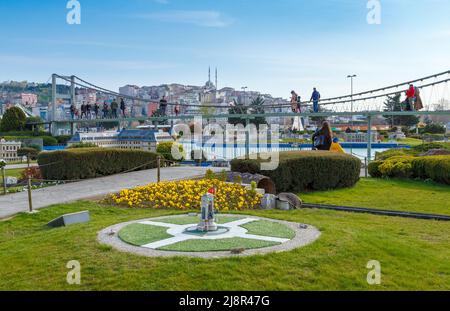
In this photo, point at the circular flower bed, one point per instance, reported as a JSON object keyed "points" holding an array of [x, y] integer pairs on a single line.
{"points": [[185, 195]]}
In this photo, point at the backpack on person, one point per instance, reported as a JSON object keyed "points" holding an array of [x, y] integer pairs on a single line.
{"points": [[319, 140]]}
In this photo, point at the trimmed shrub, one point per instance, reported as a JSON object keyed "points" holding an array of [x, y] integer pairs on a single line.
{"points": [[374, 169], [307, 170], [165, 149], [27, 151], [63, 139], [380, 156], [49, 141], [400, 167], [436, 168], [86, 163], [245, 166]]}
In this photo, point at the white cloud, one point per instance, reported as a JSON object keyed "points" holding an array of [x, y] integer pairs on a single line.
{"points": [[213, 19]]}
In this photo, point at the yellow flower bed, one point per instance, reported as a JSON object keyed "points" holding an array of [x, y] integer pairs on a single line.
{"points": [[187, 194]]}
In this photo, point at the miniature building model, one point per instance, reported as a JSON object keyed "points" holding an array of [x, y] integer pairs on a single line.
{"points": [[207, 222]]}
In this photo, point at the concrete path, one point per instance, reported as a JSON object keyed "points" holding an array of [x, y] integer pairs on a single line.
{"points": [[18, 166], [18, 202]]}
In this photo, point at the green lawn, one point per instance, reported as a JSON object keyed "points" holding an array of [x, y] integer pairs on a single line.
{"points": [[394, 194], [410, 142], [414, 255], [13, 173], [216, 245], [269, 228], [139, 234]]}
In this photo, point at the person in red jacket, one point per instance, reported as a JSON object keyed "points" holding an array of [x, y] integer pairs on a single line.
{"points": [[410, 97]]}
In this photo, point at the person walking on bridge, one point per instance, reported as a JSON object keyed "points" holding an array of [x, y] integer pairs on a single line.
{"points": [[105, 110], [83, 110], [88, 111], [295, 102], [114, 107], [163, 105], [72, 111], [410, 98], [96, 110], [122, 107], [315, 98]]}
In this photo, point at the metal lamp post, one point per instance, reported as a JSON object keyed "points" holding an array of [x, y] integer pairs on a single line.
{"points": [[244, 88], [351, 77]]}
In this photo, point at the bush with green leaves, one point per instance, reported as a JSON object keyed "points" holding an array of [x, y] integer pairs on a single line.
{"points": [[434, 128], [399, 167], [63, 139], [380, 156], [436, 168], [374, 168], [165, 149], [84, 163], [49, 141], [28, 152], [307, 170]]}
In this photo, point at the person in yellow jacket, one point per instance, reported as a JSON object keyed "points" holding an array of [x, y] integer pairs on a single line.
{"points": [[336, 147]]}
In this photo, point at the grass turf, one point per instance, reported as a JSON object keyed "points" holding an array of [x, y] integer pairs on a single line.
{"points": [[139, 234], [393, 194], [13, 173], [216, 245], [414, 255], [269, 228]]}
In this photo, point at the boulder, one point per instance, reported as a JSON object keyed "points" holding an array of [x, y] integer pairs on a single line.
{"points": [[293, 200]]}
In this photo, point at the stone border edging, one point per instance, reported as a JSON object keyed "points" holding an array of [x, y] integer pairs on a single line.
{"points": [[302, 238]]}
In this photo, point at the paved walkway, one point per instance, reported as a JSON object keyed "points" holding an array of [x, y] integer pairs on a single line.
{"points": [[17, 166], [18, 202]]}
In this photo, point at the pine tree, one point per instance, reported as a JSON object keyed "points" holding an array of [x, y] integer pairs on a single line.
{"points": [[13, 119]]}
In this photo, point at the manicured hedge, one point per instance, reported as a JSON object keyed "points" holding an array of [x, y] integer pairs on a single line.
{"points": [[307, 170], [436, 168], [86, 163], [165, 150], [374, 169]]}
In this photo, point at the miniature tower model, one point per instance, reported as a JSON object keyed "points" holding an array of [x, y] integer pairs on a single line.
{"points": [[207, 213]]}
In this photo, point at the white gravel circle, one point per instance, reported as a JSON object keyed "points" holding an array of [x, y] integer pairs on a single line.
{"points": [[304, 235]]}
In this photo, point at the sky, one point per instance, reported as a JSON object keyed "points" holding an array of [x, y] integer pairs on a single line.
{"points": [[270, 46]]}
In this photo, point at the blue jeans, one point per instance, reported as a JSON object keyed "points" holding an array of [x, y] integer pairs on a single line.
{"points": [[316, 106]]}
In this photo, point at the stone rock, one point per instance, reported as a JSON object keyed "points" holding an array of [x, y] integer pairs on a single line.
{"points": [[293, 200]]}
